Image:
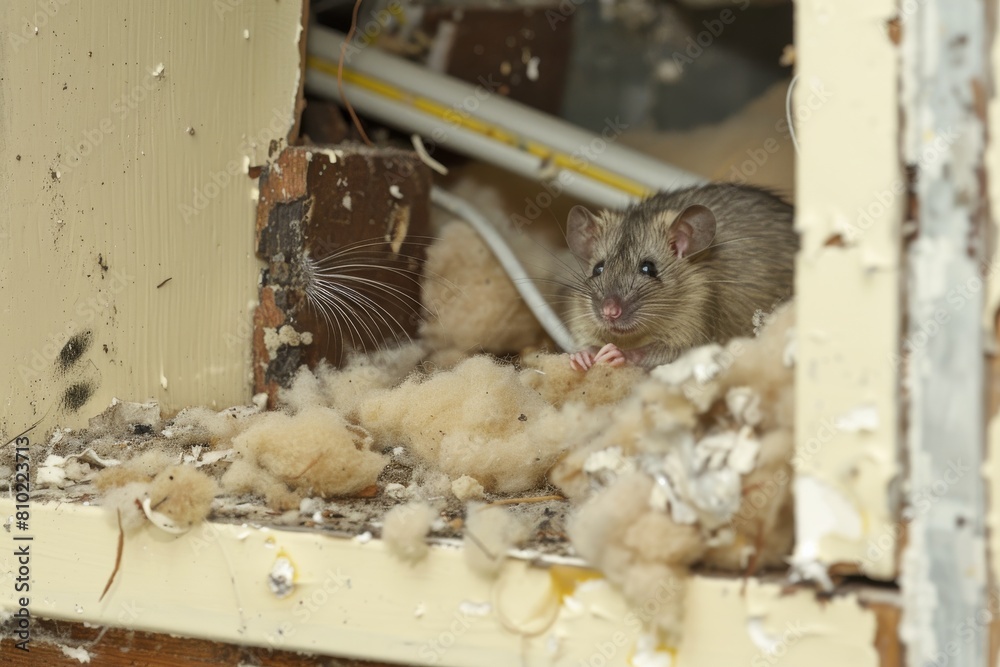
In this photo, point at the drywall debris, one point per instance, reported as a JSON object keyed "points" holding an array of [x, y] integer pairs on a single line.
{"points": [[77, 653], [281, 578], [467, 488]]}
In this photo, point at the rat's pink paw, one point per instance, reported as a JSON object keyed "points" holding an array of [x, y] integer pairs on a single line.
{"points": [[581, 361], [610, 354]]}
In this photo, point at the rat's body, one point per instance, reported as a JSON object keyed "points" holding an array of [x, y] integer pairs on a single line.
{"points": [[677, 270]]}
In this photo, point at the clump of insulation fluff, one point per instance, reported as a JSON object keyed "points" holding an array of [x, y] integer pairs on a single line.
{"points": [[405, 529], [558, 383], [142, 468], [639, 548], [183, 494], [202, 425], [478, 420], [694, 467], [344, 388], [175, 497], [474, 306], [314, 452], [489, 533]]}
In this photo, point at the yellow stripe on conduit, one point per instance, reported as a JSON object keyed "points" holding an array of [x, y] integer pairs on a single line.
{"points": [[494, 132]]}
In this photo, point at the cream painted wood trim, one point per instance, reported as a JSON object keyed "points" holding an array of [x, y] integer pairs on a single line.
{"points": [[354, 598], [849, 210], [127, 131]]}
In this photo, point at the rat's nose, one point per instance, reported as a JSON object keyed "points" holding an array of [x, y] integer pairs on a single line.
{"points": [[611, 309]]}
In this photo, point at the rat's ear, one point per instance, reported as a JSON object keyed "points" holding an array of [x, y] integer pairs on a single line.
{"points": [[692, 231], [582, 228]]}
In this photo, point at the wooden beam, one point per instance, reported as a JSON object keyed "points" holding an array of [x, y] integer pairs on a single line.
{"points": [[316, 202], [945, 76]]}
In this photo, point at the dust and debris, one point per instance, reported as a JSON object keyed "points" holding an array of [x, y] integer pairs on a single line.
{"points": [[644, 475], [467, 488], [490, 532], [77, 653], [284, 457]]}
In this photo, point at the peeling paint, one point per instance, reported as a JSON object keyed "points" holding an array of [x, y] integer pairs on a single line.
{"points": [[847, 292]]}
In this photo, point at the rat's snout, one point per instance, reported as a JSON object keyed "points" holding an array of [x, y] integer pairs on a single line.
{"points": [[611, 309]]}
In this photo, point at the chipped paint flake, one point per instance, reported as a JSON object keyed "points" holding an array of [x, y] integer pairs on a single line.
{"points": [[860, 419], [470, 608], [77, 653], [281, 578]]}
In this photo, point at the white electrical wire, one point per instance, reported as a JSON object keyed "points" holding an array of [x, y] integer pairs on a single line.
{"points": [[512, 266]]}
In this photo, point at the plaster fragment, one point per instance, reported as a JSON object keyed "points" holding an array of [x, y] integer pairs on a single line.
{"points": [[281, 579], [75, 653]]}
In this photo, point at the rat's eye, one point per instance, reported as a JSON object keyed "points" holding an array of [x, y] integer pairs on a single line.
{"points": [[598, 269], [647, 268]]}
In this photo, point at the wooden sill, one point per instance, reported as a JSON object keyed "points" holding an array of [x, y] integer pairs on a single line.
{"points": [[356, 600]]}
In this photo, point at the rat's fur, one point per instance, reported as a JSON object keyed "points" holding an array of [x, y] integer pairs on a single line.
{"points": [[709, 296]]}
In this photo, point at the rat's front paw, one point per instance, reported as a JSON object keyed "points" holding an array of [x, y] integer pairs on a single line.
{"points": [[582, 360], [610, 354]]}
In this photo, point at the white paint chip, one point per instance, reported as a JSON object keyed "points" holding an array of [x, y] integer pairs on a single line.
{"points": [[469, 608], [648, 655], [761, 638], [281, 578], [75, 653], [862, 418], [821, 511], [394, 191], [532, 68], [161, 521]]}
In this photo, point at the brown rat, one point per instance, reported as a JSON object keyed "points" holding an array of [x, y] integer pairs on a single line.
{"points": [[677, 270]]}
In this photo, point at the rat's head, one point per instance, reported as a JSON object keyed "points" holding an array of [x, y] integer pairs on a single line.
{"points": [[640, 278]]}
